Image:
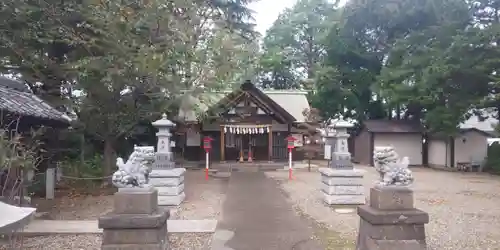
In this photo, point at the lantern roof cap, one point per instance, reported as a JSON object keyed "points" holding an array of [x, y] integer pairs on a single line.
{"points": [[341, 123], [163, 122]]}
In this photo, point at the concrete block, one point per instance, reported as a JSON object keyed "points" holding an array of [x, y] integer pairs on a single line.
{"points": [[134, 236], [331, 172], [342, 190], [167, 173], [344, 199], [170, 190], [134, 221], [158, 246], [136, 201], [175, 200], [391, 198], [166, 181], [342, 181]]}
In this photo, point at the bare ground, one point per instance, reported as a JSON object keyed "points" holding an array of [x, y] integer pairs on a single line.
{"points": [[203, 201], [463, 208]]}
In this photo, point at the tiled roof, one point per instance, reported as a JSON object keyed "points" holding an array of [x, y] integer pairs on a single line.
{"points": [[16, 98], [393, 126], [294, 102]]}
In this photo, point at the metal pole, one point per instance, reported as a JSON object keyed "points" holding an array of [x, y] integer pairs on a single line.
{"points": [[290, 164], [206, 164]]}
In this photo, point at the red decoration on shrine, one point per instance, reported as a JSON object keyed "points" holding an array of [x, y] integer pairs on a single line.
{"points": [[207, 143]]}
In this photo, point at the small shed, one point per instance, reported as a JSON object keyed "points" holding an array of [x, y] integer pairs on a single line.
{"points": [[405, 136], [469, 146], [20, 111]]}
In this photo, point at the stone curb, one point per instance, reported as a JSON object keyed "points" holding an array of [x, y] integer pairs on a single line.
{"points": [[50, 227]]}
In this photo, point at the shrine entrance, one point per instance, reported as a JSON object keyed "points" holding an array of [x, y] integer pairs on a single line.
{"points": [[246, 143]]}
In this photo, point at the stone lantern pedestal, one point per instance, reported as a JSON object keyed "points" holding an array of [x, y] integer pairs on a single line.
{"points": [[165, 177], [391, 222], [341, 184], [136, 222]]}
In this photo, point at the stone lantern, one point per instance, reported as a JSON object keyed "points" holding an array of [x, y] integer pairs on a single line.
{"points": [[341, 157], [341, 183], [165, 177], [163, 157]]}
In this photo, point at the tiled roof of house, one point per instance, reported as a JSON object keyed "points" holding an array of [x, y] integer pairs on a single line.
{"points": [[16, 98], [292, 101], [393, 126]]}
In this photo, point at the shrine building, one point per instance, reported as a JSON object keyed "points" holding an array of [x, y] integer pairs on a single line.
{"points": [[245, 125]]}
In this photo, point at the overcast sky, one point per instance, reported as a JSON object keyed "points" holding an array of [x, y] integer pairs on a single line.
{"points": [[266, 11]]}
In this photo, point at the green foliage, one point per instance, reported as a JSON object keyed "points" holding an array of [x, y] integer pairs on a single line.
{"points": [[294, 45], [89, 168], [118, 64], [493, 158]]}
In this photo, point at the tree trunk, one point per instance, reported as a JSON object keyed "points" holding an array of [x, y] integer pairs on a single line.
{"points": [[109, 157]]}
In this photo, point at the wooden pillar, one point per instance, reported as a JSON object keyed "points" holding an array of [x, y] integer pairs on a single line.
{"points": [[270, 147], [222, 144]]}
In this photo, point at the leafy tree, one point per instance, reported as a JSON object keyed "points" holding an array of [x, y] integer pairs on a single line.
{"points": [[122, 62], [294, 45]]}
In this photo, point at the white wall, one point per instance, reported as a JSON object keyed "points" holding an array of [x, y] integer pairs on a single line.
{"points": [[470, 145], [439, 152], [409, 145]]}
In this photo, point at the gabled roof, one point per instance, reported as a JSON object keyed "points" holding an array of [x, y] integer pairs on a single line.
{"points": [[292, 101], [393, 126], [17, 99], [487, 124]]}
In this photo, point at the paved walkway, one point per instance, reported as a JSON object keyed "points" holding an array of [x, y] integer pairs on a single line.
{"points": [[256, 215]]}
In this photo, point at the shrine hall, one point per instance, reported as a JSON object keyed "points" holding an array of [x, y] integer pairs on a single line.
{"points": [[244, 125]]}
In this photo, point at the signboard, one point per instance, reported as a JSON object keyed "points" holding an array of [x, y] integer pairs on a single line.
{"points": [[299, 141], [328, 152]]}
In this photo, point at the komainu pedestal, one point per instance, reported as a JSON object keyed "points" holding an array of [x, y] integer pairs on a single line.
{"points": [[390, 221], [136, 222]]}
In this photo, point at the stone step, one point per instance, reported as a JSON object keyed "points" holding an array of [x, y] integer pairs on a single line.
{"points": [[48, 227]]}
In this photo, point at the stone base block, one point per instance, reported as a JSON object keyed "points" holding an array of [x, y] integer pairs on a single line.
{"points": [[166, 181], [159, 246], [391, 198], [395, 245], [391, 236], [342, 190], [342, 181], [174, 200], [391, 222], [134, 236], [170, 190], [135, 201], [167, 173], [331, 172], [344, 199]]}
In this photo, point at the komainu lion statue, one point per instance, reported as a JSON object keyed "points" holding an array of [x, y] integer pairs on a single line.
{"points": [[392, 170], [135, 172]]}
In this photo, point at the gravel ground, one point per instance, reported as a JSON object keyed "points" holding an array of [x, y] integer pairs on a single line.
{"points": [[181, 241], [463, 207], [203, 201], [203, 198]]}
